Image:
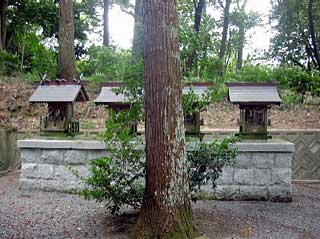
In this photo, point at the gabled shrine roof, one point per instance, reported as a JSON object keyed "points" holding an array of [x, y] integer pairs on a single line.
{"points": [[251, 93], [107, 95], [59, 91], [199, 88]]}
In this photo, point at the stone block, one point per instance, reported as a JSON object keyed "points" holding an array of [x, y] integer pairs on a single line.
{"points": [[227, 192], [243, 160], [281, 176], [29, 170], [262, 177], [263, 160], [253, 193], [207, 189], [45, 171], [64, 173], [28, 184], [75, 157], [30, 155], [280, 193], [226, 177], [244, 176], [270, 145], [73, 186], [60, 185], [53, 156], [283, 160], [94, 154], [51, 185], [80, 170]]}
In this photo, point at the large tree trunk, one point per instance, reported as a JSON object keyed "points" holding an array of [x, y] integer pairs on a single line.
{"points": [[240, 47], [197, 22], [106, 23], [313, 34], [166, 210], [137, 43], [1, 48], [226, 14], [3, 24], [66, 58]]}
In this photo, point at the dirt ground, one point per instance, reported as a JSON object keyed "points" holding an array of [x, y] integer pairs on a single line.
{"points": [[34, 214], [15, 112]]}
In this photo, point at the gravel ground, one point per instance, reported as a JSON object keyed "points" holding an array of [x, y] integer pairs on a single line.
{"points": [[25, 214]]}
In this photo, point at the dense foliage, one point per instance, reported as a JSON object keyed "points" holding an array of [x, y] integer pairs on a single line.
{"points": [[206, 160], [118, 180], [29, 45], [292, 43]]}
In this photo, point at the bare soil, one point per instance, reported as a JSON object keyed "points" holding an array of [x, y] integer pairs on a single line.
{"points": [[35, 214], [15, 111]]}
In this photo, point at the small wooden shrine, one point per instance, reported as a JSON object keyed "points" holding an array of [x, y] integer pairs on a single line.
{"points": [[113, 101], [254, 100], [192, 121], [60, 96]]}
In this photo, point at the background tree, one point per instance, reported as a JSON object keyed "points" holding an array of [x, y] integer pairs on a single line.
{"points": [[199, 41], [3, 24], [226, 12], [315, 49], [137, 42], [292, 42], [166, 210], [198, 9], [106, 22], [66, 57], [240, 22]]}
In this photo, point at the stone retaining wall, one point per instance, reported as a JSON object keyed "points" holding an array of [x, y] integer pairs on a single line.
{"points": [[306, 158], [262, 170], [49, 165]]}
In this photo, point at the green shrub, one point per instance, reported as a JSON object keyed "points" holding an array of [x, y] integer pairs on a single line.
{"points": [[251, 73], [9, 64], [105, 64], [118, 180], [290, 99], [293, 78], [206, 160]]}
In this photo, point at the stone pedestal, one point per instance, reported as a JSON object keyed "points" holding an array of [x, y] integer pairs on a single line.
{"points": [[49, 165], [262, 172]]}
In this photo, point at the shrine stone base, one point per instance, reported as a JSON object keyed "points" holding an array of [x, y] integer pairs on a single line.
{"points": [[262, 170], [57, 165]]}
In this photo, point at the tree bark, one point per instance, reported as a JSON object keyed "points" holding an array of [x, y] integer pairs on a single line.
{"points": [[1, 48], [241, 34], [137, 43], [226, 14], [23, 47], [312, 34], [197, 22], [310, 55], [240, 47], [106, 37], [166, 210], [66, 57], [3, 24]]}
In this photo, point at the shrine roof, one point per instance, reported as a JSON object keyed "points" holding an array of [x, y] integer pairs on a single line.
{"points": [[59, 91], [107, 95], [251, 93]]}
